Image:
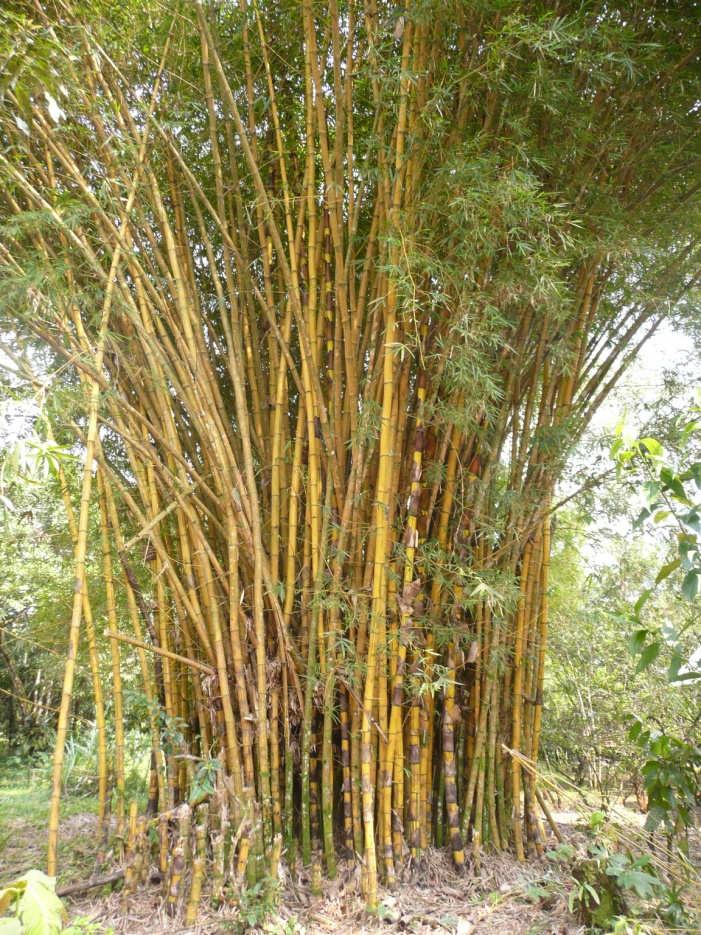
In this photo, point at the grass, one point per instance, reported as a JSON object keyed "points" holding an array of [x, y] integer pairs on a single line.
{"points": [[24, 812], [25, 789]]}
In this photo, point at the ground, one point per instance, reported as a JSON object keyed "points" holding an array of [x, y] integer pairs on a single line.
{"points": [[501, 896]]}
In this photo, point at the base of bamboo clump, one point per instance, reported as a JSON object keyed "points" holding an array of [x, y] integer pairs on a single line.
{"points": [[212, 853], [213, 850]]}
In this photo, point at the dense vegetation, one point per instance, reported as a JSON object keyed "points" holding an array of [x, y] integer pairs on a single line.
{"points": [[315, 303]]}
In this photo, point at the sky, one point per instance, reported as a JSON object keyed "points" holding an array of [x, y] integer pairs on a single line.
{"points": [[667, 349]]}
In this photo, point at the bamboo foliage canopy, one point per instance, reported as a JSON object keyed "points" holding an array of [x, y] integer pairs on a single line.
{"points": [[327, 294]]}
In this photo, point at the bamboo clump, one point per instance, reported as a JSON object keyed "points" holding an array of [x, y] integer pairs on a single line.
{"points": [[324, 541]]}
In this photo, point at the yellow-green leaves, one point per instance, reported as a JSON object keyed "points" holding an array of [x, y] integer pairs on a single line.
{"points": [[10, 927], [36, 907]]}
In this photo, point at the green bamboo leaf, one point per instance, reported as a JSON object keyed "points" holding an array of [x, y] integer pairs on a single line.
{"points": [[642, 600], [690, 584], [648, 656], [637, 640], [687, 676], [667, 570], [695, 473]]}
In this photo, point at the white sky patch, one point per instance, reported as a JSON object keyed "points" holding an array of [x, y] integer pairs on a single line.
{"points": [[16, 420], [55, 111], [643, 382]]}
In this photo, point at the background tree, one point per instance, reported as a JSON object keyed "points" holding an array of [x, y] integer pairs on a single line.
{"points": [[592, 688]]}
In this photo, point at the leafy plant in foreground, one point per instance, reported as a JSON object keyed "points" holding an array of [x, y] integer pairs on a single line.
{"points": [[672, 495], [34, 907]]}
